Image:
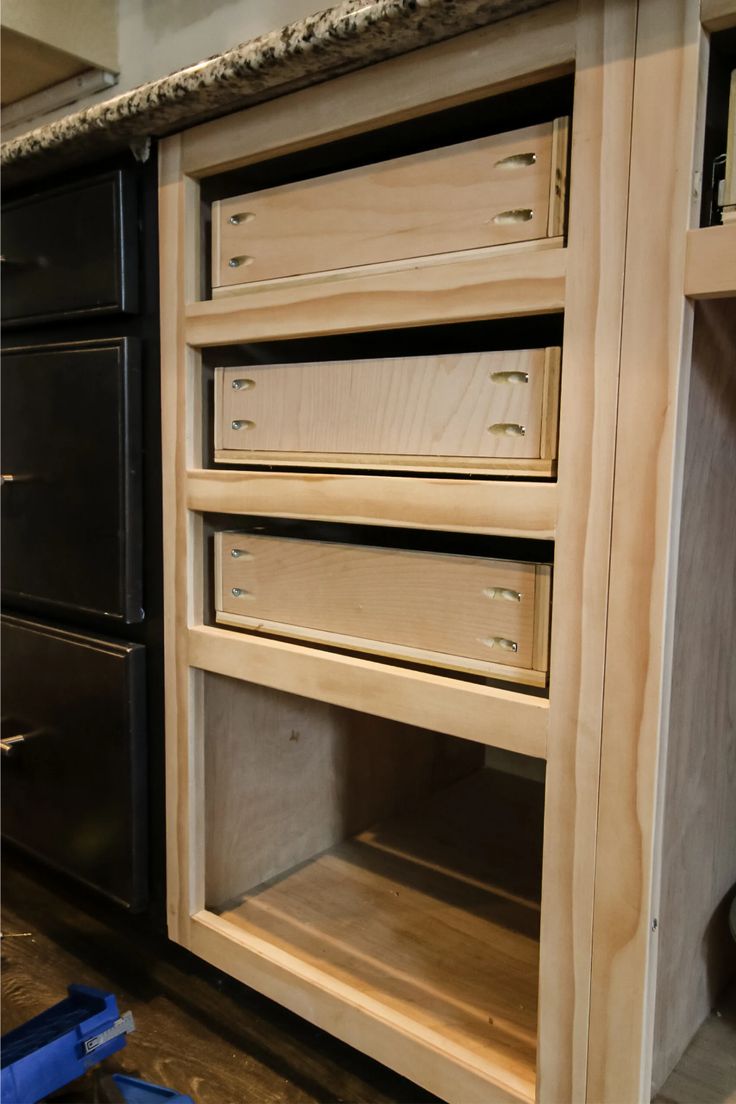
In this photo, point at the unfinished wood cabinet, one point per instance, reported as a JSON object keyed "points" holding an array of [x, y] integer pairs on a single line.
{"points": [[492, 191], [465, 613], [485, 412], [488, 867]]}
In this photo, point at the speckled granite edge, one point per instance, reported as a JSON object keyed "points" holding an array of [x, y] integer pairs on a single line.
{"points": [[349, 36]]}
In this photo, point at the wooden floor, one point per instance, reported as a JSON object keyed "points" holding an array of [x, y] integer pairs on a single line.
{"points": [[197, 1031], [201, 1033]]}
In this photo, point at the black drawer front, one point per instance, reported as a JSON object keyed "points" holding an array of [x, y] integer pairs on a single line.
{"points": [[71, 252], [73, 790], [71, 516]]}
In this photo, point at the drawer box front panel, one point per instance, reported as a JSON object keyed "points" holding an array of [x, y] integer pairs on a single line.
{"points": [[71, 252], [443, 411], [491, 191], [71, 521], [465, 613], [73, 791]]}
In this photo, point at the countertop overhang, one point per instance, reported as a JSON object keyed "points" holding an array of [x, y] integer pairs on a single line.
{"points": [[349, 36]]}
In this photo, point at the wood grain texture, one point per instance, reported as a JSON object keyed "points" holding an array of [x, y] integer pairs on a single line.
{"points": [[435, 608], [696, 954], [479, 284], [419, 922], [409, 410], [182, 545], [487, 714], [599, 177], [666, 141], [464, 196], [710, 263], [287, 777], [462, 506], [197, 1030], [509, 54]]}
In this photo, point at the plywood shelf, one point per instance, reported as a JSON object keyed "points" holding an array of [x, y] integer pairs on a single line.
{"points": [[434, 915], [710, 264], [497, 717], [494, 507], [501, 281]]}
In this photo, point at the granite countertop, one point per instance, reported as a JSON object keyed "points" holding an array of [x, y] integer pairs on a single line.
{"points": [[349, 36]]}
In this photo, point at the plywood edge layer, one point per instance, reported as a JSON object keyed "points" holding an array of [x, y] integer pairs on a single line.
{"points": [[397, 651], [360, 1020], [522, 468], [710, 262], [489, 715], [517, 509]]}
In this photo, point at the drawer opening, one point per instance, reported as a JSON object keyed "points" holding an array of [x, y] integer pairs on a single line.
{"points": [[401, 863], [719, 180], [470, 607], [535, 104], [477, 399], [352, 202]]}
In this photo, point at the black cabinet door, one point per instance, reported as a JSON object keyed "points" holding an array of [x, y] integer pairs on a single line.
{"points": [[71, 252], [73, 788], [71, 465]]}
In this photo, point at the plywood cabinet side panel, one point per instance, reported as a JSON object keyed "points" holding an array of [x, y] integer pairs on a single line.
{"points": [[696, 954], [654, 360], [597, 225]]}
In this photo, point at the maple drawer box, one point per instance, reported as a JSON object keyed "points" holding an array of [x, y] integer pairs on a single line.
{"points": [[489, 411], [495, 190], [465, 613]]}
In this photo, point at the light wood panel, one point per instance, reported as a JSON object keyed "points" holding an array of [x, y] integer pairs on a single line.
{"points": [[504, 509], [466, 613], [417, 922], [710, 263], [489, 715], [443, 411], [287, 777], [718, 15], [490, 191], [183, 543], [479, 284], [729, 183], [666, 143], [696, 954], [509, 54], [599, 174]]}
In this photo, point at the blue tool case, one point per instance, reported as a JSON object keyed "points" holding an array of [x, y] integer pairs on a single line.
{"points": [[61, 1044]]}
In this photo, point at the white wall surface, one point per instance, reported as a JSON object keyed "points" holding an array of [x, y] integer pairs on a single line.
{"points": [[156, 37]]}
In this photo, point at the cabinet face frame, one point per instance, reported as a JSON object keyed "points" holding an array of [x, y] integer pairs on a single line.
{"points": [[599, 36]]}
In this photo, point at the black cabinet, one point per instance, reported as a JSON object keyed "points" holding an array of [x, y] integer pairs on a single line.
{"points": [[71, 464], [81, 529], [74, 785], [71, 252]]}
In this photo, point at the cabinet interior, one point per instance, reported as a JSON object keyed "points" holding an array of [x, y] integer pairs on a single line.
{"points": [[401, 862]]}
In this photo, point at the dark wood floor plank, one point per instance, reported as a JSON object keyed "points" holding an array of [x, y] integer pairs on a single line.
{"points": [[198, 1031]]}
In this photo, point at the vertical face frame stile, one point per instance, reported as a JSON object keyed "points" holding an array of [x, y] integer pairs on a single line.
{"points": [[599, 174], [600, 35], [667, 137]]}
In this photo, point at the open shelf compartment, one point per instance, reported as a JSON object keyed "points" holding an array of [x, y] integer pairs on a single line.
{"points": [[403, 865]]}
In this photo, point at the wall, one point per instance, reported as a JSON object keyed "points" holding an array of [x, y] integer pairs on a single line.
{"points": [[156, 37]]}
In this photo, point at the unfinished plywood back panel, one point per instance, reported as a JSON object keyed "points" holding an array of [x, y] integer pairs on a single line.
{"points": [[696, 953], [287, 777]]}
